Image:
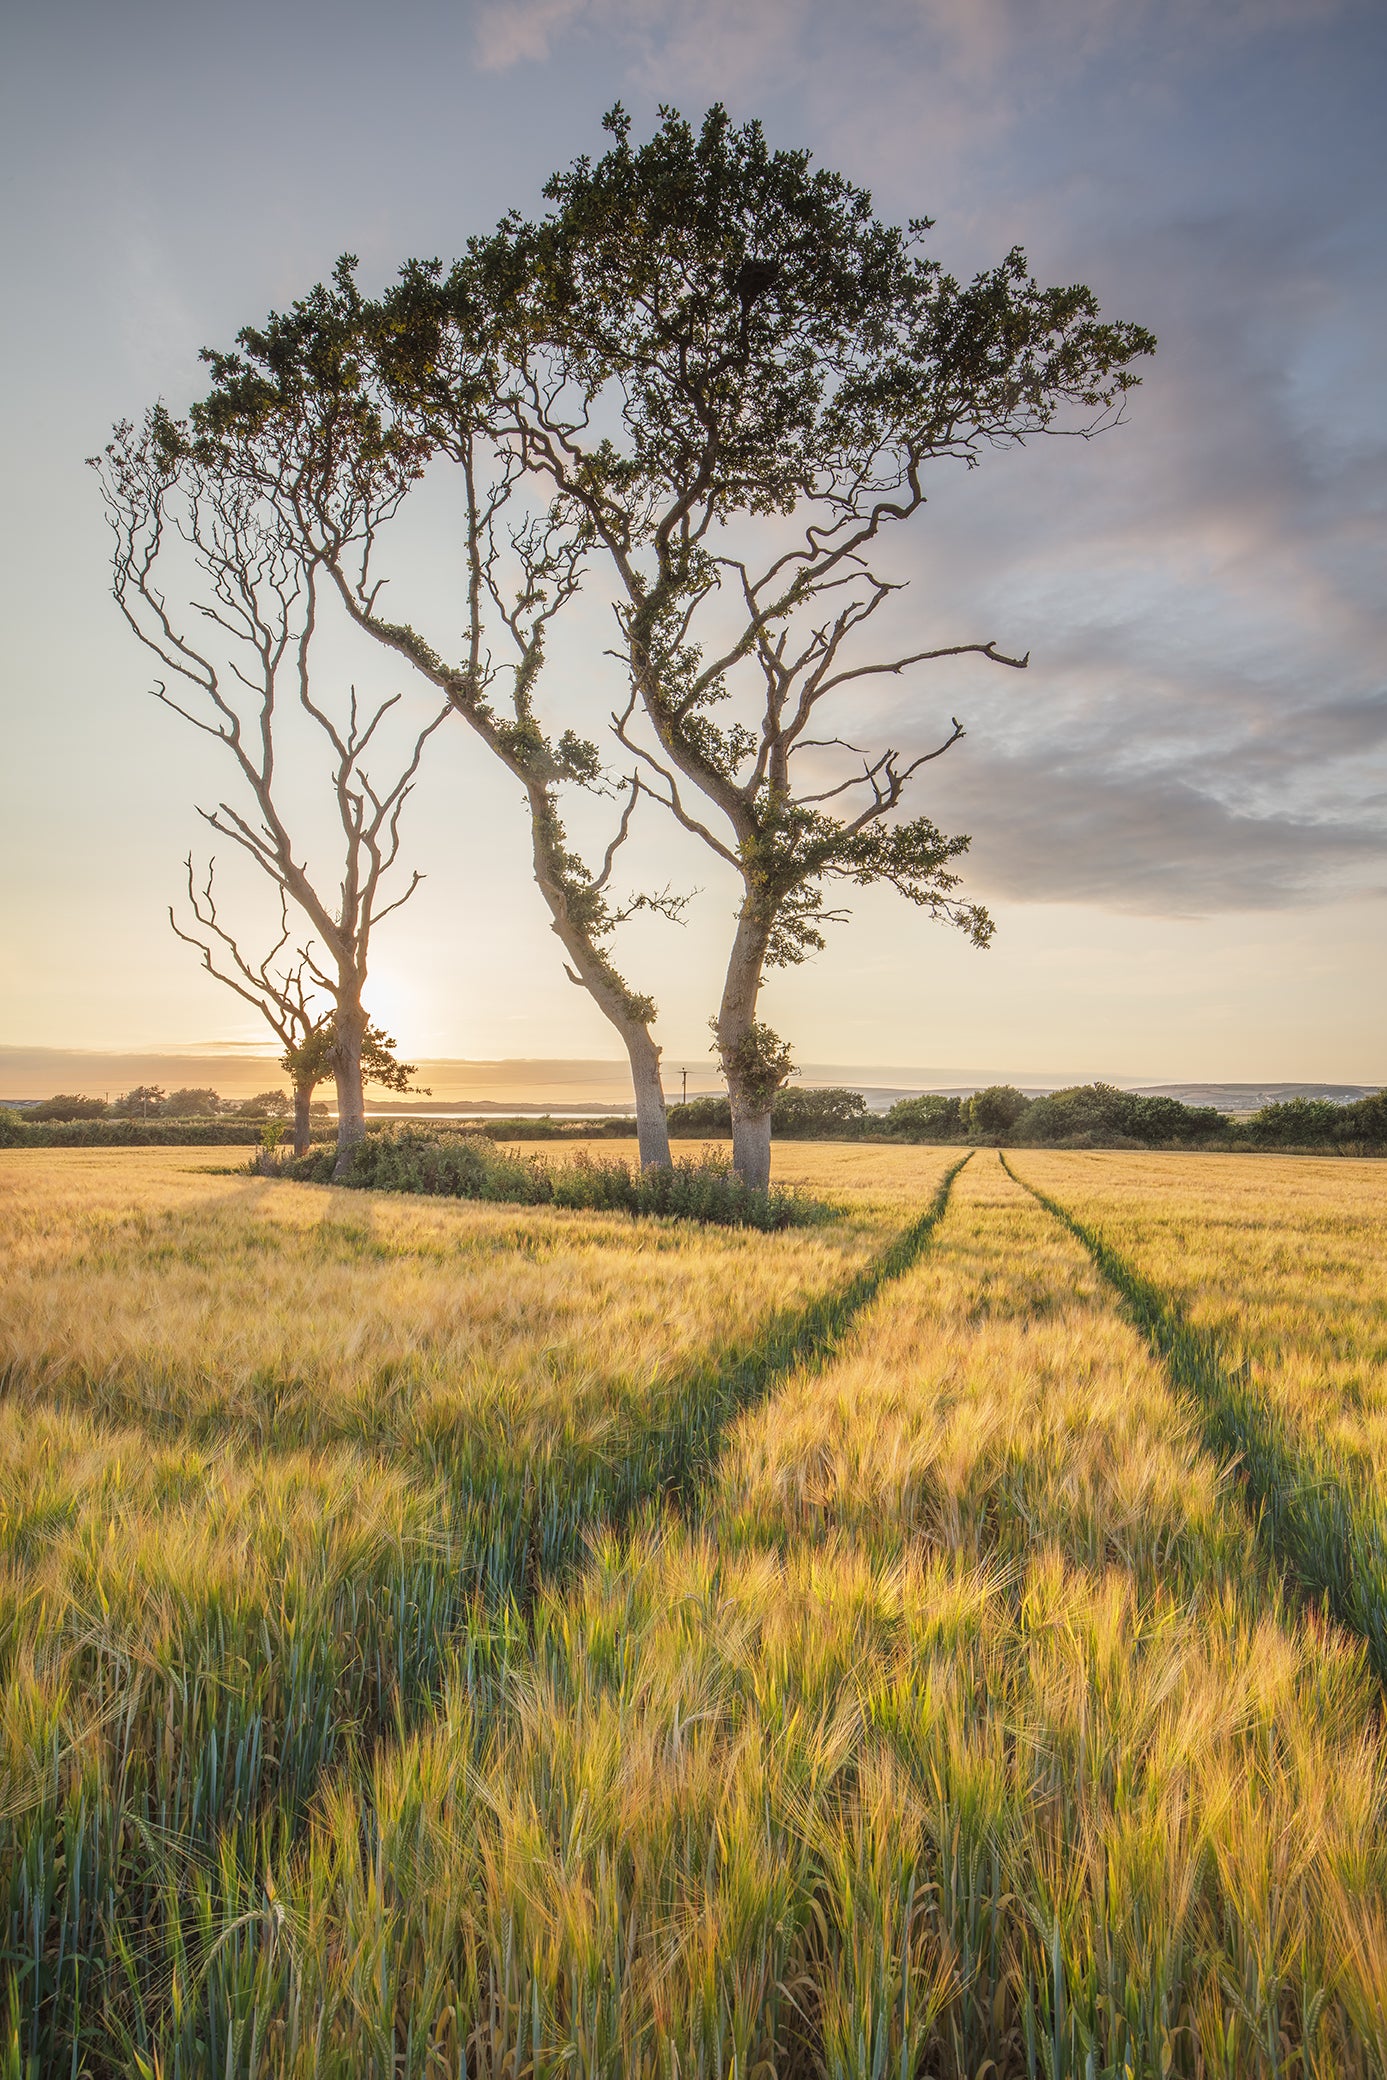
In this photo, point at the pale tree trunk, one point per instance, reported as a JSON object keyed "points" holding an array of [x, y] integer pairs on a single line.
{"points": [[346, 1069], [751, 1147], [592, 971], [652, 1127], [631, 1014], [303, 1126], [749, 1098]]}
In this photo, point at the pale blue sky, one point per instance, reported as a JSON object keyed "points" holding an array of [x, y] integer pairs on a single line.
{"points": [[1179, 815]]}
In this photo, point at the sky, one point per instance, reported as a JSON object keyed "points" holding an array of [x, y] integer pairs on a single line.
{"points": [[1178, 813]]}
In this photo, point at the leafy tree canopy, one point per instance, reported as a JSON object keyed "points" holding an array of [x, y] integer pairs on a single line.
{"points": [[729, 287], [1297, 1122], [192, 1102], [931, 1117], [699, 327], [139, 1102], [992, 1113], [1101, 1112], [265, 1105], [66, 1106], [828, 1109], [312, 1061]]}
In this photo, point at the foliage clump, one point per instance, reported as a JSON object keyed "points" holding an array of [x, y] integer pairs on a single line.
{"points": [[1305, 1123], [935, 1116], [994, 1113], [1096, 1113], [805, 1115], [708, 1114], [66, 1107]]}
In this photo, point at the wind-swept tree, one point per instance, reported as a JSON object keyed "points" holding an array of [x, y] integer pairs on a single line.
{"points": [[193, 1101], [283, 988], [735, 379], [333, 411], [732, 379], [139, 1102], [243, 635]]}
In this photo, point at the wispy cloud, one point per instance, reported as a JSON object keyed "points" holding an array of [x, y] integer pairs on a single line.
{"points": [[976, 39], [515, 31]]}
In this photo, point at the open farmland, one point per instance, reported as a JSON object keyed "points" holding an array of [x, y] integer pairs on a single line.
{"points": [[441, 1639], [1265, 1285]]}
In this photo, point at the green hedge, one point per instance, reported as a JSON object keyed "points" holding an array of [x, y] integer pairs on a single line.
{"points": [[16, 1132], [815, 1114]]}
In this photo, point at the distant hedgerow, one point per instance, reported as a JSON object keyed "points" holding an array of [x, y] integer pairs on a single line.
{"points": [[469, 1166]]}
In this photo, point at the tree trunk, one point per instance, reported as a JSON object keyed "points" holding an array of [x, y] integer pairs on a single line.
{"points": [[751, 1148], [748, 1093], [652, 1127], [592, 971], [346, 1069], [303, 1130]]}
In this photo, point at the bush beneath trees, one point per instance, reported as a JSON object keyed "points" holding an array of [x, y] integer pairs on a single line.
{"points": [[470, 1166]]}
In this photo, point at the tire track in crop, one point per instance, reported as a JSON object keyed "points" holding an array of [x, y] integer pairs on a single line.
{"points": [[808, 1339], [543, 1532], [1322, 1536]]}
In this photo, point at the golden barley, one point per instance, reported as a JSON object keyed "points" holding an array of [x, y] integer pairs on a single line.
{"points": [[977, 1748]]}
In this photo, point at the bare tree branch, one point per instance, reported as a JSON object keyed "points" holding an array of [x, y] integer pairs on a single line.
{"points": [[251, 588]]}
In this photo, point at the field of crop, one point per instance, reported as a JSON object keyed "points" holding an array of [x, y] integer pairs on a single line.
{"points": [[441, 1638], [1267, 1285]]}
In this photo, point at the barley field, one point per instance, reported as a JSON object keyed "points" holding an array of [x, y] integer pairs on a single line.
{"points": [[1266, 1282], [451, 1639]]}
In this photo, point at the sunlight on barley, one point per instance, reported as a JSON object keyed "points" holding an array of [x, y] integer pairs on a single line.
{"points": [[929, 1709], [966, 1734]]}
